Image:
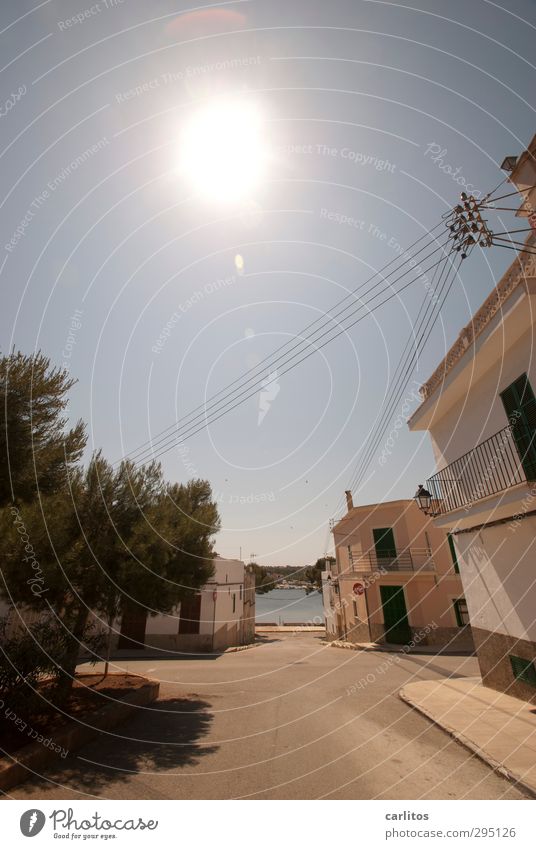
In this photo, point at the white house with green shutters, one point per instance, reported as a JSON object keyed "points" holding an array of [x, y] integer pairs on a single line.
{"points": [[479, 407]]}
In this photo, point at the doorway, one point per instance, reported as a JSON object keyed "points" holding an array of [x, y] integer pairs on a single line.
{"points": [[395, 615]]}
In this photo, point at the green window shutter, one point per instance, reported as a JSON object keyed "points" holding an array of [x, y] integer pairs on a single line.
{"points": [[384, 542], [453, 554], [520, 406], [523, 669], [509, 399], [461, 612], [519, 396]]}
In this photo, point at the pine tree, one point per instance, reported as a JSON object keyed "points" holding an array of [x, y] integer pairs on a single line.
{"points": [[36, 451], [81, 545]]}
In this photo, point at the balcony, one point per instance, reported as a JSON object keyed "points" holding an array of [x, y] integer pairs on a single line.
{"points": [[506, 459], [410, 560]]}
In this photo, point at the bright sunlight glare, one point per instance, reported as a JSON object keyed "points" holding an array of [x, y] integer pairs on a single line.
{"points": [[222, 151]]}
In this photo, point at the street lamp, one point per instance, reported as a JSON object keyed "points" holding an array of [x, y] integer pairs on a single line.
{"points": [[509, 163], [423, 499]]}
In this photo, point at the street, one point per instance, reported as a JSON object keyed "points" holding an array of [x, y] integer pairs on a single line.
{"points": [[291, 718]]}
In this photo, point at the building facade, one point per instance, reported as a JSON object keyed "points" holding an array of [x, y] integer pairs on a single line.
{"points": [[479, 407], [220, 615], [395, 580]]}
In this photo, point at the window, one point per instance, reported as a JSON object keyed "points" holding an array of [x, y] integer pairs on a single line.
{"points": [[462, 614], [453, 554], [234, 602], [384, 543], [240, 592], [520, 406], [518, 399], [523, 669], [356, 616]]}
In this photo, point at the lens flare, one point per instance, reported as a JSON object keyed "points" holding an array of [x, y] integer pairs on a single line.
{"points": [[222, 151]]}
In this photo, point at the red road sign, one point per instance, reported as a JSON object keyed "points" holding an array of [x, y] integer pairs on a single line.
{"points": [[358, 589]]}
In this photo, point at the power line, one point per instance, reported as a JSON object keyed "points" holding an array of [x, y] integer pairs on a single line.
{"points": [[472, 220], [407, 362], [386, 409], [268, 362], [190, 424], [231, 405]]}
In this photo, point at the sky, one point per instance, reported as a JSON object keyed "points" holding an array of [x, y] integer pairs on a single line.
{"points": [[155, 295]]}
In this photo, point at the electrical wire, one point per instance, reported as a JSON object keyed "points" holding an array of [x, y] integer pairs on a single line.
{"points": [[231, 405], [269, 363], [264, 364], [218, 405], [412, 351]]}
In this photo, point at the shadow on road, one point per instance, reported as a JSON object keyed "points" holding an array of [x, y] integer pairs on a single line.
{"points": [[163, 736]]}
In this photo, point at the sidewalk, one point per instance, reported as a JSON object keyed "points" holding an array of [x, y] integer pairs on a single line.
{"points": [[392, 647], [167, 654], [499, 729]]}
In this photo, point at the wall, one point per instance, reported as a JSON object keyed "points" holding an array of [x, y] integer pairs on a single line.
{"points": [[429, 596], [356, 625], [498, 566], [412, 529], [476, 411]]}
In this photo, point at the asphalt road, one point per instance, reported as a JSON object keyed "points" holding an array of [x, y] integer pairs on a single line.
{"points": [[291, 718]]}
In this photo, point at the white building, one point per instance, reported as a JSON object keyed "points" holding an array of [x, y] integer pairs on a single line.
{"points": [[480, 409], [220, 615]]}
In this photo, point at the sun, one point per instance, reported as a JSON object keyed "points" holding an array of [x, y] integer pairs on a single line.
{"points": [[222, 150]]}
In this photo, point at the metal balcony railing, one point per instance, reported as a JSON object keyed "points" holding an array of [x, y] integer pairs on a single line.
{"points": [[504, 460], [410, 560]]}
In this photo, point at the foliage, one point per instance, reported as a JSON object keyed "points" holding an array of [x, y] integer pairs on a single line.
{"points": [[266, 578], [36, 451], [314, 573], [84, 543], [264, 581], [34, 652]]}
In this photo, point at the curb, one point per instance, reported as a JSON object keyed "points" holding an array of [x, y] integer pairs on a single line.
{"points": [[336, 644], [241, 648], [289, 629], [34, 757], [392, 649], [497, 767]]}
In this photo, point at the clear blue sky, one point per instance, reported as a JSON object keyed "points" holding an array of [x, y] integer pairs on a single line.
{"points": [[353, 94]]}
